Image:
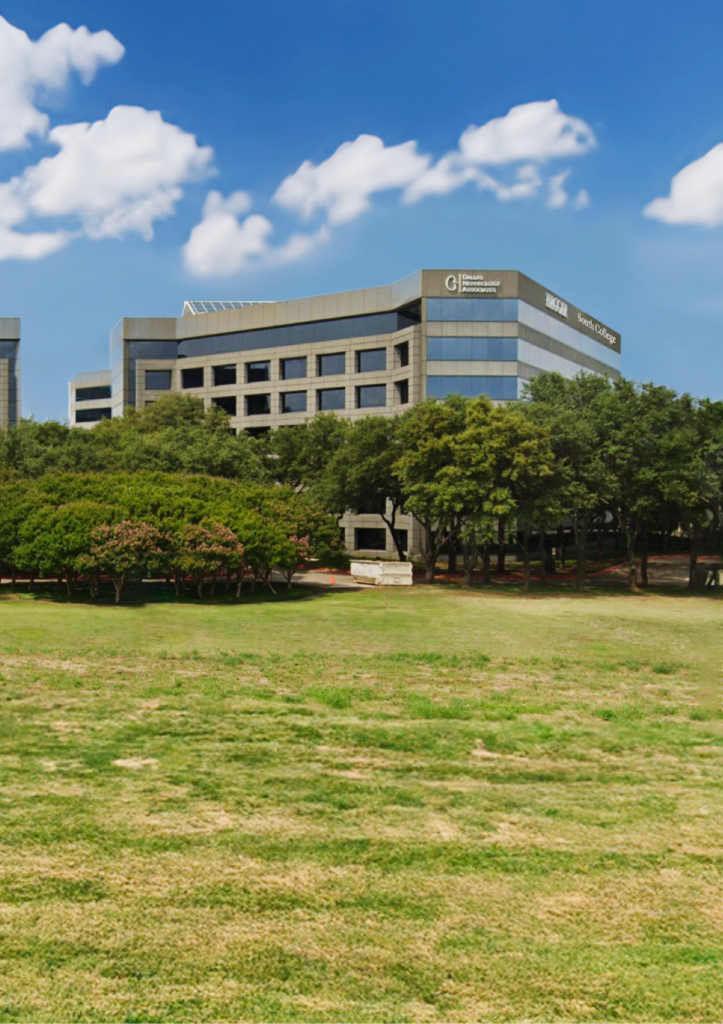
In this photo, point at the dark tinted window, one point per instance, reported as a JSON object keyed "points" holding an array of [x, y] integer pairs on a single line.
{"points": [[472, 348], [91, 394], [371, 359], [258, 372], [331, 398], [227, 404], [192, 378], [371, 397], [291, 368], [158, 380], [258, 405], [297, 334], [402, 387], [500, 389], [257, 431], [472, 309], [293, 401], [224, 375], [368, 538], [328, 365], [91, 415], [402, 352]]}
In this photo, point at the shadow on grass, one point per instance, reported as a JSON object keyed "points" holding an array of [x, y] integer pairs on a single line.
{"points": [[156, 593]]}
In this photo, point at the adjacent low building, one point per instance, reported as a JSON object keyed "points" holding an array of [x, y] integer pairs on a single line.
{"points": [[374, 351], [9, 371]]}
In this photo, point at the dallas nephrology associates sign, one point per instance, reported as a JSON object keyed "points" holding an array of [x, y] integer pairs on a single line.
{"points": [[471, 284]]}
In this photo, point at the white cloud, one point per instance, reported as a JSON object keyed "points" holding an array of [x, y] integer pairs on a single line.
{"points": [[557, 196], [529, 134], [117, 175], [696, 193], [537, 132], [343, 184], [28, 68], [220, 246], [582, 200]]}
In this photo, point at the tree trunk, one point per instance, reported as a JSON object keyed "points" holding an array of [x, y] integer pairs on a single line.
{"points": [[430, 553], [13, 579], [391, 524], [118, 582], [580, 525], [563, 549], [630, 538], [470, 554], [487, 563], [239, 581], [693, 539], [526, 557], [501, 547], [543, 557], [644, 558], [452, 553], [200, 587]]}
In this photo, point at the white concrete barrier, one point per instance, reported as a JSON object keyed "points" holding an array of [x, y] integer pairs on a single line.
{"points": [[384, 574]]}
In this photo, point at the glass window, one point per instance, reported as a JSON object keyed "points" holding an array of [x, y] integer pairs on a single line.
{"points": [[291, 368], [91, 415], [371, 396], [472, 348], [91, 394], [224, 375], [371, 359], [331, 398], [258, 372], [258, 405], [330, 365], [368, 538], [227, 404], [158, 380], [482, 310], [402, 389], [193, 377], [257, 431], [293, 401], [501, 389], [365, 326], [402, 353]]}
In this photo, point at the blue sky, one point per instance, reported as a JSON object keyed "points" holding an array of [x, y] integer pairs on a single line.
{"points": [[248, 92]]}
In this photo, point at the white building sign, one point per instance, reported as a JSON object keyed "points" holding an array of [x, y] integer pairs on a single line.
{"points": [[556, 305], [474, 284]]}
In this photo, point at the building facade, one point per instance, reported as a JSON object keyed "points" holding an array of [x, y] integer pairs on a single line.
{"points": [[374, 351], [9, 371]]}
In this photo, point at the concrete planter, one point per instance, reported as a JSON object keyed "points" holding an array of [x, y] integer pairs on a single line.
{"points": [[383, 574]]}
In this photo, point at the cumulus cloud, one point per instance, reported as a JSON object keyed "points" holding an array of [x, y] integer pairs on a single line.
{"points": [[537, 132], [557, 196], [29, 68], [343, 184], [220, 245], [696, 194], [582, 200], [529, 135], [115, 176]]}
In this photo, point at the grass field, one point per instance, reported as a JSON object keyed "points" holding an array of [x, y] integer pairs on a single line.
{"points": [[372, 806]]}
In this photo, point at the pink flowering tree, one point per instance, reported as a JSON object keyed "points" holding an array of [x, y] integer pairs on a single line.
{"points": [[122, 550], [202, 552]]}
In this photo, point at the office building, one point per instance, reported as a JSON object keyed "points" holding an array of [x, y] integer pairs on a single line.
{"points": [[9, 371], [374, 351]]}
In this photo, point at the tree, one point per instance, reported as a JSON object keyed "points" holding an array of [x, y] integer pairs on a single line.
{"points": [[122, 549], [361, 473], [571, 413], [56, 541], [426, 435]]}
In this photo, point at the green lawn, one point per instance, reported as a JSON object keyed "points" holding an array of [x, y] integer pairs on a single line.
{"points": [[425, 805]]}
